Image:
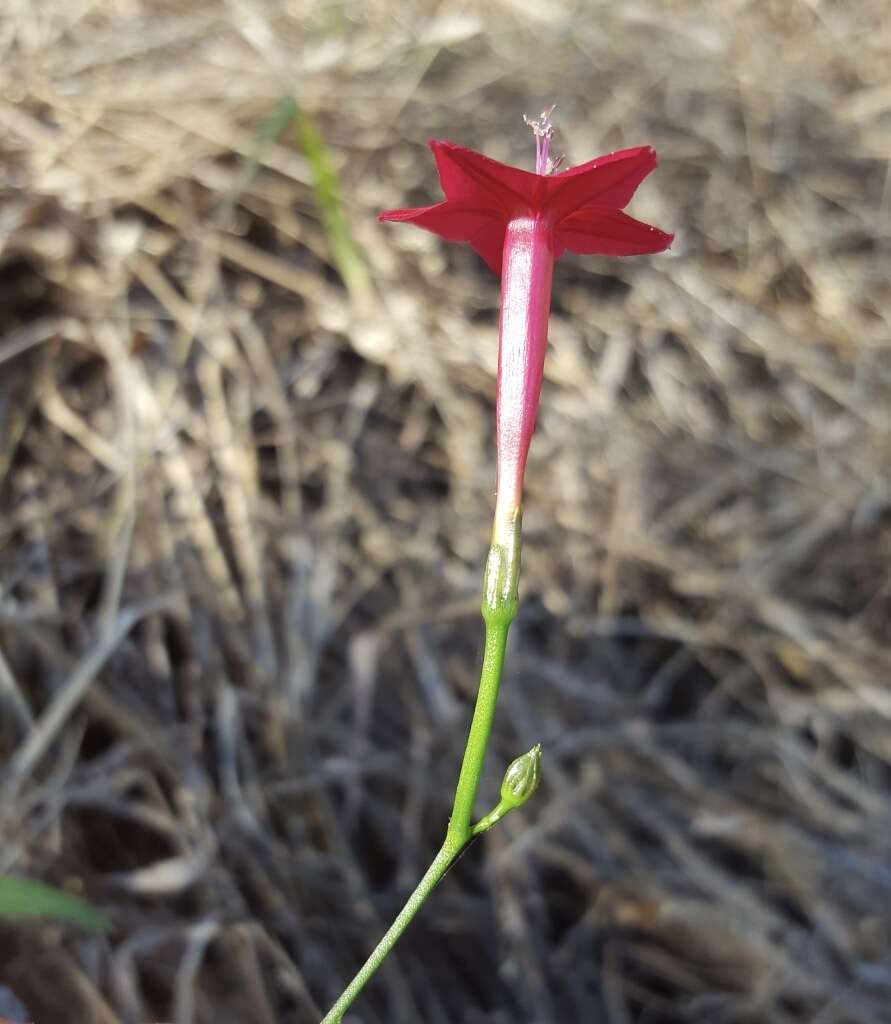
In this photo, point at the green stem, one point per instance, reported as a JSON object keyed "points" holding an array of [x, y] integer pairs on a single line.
{"points": [[441, 864], [499, 608], [497, 627], [490, 819]]}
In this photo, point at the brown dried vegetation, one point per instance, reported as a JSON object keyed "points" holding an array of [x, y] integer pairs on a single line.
{"points": [[243, 511]]}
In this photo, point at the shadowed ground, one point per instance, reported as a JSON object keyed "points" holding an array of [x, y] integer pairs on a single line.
{"points": [[244, 507]]}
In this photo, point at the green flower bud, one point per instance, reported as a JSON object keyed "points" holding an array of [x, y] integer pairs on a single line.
{"points": [[521, 778]]}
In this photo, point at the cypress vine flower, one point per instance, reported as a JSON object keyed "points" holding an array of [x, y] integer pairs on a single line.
{"points": [[519, 223]]}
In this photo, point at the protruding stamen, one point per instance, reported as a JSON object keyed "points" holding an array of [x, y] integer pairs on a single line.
{"points": [[543, 130], [555, 165]]}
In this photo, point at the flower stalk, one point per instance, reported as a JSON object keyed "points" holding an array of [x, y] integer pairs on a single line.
{"points": [[519, 223]]}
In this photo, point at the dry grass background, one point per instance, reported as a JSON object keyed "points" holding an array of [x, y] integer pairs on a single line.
{"points": [[243, 512]]}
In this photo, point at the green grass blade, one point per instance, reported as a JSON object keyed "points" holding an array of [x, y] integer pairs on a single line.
{"points": [[22, 898], [268, 132], [348, 259]]}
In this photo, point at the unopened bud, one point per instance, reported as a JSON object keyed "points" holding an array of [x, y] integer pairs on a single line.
{"points": [[521, 778]]}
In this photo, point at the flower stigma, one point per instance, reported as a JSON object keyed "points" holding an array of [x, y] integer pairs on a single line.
{"points": [[543, 131]]}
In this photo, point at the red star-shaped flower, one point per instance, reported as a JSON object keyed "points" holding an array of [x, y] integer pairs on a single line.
{"points": [[582, 206], [520, 222]]}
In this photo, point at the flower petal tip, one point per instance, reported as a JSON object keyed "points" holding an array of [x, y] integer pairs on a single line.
{"points": [[401, 215]]}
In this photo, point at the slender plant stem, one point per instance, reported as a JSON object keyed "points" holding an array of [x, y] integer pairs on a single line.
{"points": [[499, 608], [441, 864], [497, 627]]}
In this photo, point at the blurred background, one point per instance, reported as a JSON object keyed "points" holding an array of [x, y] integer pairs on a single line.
{"points": [[246, 481]]}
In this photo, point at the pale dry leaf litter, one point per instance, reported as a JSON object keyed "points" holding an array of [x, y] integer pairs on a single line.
{"points": [[243, 513]]}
